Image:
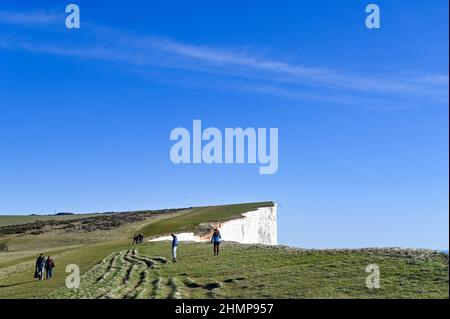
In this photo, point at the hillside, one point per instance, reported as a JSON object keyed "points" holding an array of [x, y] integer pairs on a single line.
{"points": [[114, 268], [8, 220], [253, 271]]}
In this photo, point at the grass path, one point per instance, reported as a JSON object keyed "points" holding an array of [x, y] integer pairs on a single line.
{"points": [[122, 275]]}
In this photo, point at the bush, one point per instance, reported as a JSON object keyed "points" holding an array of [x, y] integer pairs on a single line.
{"points": [[3, 247], [37, 232]]}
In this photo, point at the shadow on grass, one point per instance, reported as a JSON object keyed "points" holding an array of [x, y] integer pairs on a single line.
{"points": [[17, 284]]}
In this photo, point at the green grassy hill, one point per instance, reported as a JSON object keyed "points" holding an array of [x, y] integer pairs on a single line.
{"points": [[253, 271], [112, 267], [7, 220]]}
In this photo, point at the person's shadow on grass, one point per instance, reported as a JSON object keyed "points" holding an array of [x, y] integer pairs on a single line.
{"points": [[17, 284]]}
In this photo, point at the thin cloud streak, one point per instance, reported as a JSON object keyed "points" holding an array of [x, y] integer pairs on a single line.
{"points": [[320, 76]]}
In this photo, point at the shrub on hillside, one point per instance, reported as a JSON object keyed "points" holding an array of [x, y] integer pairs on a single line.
{"points": [[3, 247]]}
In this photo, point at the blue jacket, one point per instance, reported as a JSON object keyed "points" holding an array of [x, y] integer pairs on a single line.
{"points": [[216, 237], [175, 241]]}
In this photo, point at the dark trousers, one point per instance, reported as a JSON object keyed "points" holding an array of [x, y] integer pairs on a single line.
{"points": [[216, 248]]}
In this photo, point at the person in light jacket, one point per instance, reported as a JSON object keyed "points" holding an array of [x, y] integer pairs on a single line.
{"points": [[174, 247]]}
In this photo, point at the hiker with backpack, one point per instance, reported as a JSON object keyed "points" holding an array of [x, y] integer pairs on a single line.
{"points": [[215, 239], [49, 265]]}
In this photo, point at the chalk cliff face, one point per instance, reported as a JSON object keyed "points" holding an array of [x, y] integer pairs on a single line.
{"points": [[254, 227]]}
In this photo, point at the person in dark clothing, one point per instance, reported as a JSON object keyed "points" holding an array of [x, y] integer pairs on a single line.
{"points": [[215, 239], [174, 247], [49, 265], [138, 239], [39, 268]]}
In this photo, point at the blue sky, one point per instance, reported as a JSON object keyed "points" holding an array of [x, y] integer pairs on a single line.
{"points": [[85, 115]]}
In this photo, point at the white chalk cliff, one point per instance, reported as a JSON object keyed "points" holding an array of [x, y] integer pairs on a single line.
{"points": [[254, 227]]}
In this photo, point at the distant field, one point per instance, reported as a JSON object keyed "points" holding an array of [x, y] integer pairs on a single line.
{"points": [[7, 220]]}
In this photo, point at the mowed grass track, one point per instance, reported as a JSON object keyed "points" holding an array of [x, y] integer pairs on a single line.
{"points": [[16, 280]]}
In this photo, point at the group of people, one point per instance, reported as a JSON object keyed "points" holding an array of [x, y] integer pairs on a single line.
{"points": [[216, 238], [138, 239], [44, 265]]}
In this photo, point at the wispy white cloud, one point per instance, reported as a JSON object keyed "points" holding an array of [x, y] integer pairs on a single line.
{"points": [[289, 72], [262, 75]]}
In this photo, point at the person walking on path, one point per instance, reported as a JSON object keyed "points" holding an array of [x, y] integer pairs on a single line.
{"points": [[49, 265], [174, 247], [215, 239], [39, 267]]}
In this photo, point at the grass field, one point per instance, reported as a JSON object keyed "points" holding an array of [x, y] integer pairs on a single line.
{"points": [[112, 267], [253, 271], [7, 220]]}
